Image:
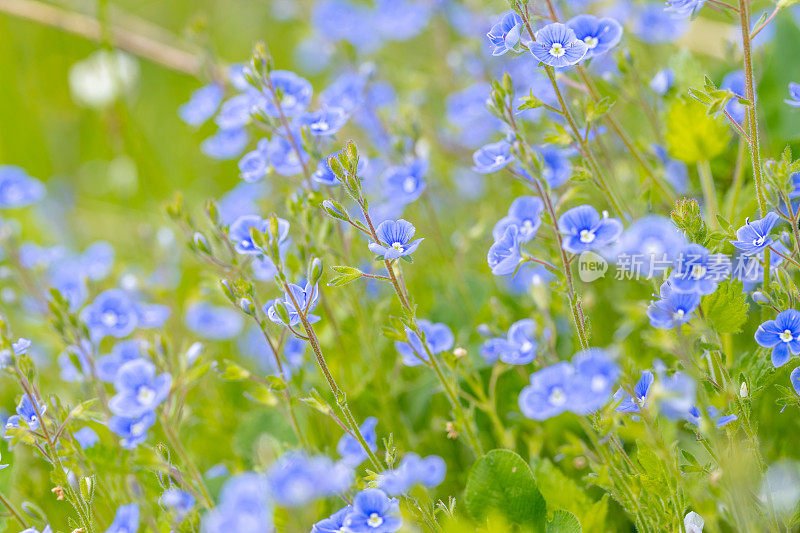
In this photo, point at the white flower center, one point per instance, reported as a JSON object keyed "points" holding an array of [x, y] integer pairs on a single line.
{"points": [[137, 429], [557, 397], [292, 158], [375, 520], [598, 383], [288, 100], [590, 41], [397, 246], [760, 240], [409, 184], [320, 126], [109, 318], [527, 346], [557, 50], [499, 159], [698, 271], [678, 315], [587, 236], [786, 336], [145, 395]]}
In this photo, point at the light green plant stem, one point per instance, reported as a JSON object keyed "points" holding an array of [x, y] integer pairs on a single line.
{"points": [[709, 193], [752, 110], [176, 443], [738, 178], [13, 511]]}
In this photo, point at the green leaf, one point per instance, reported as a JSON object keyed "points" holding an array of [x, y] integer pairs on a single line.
{"points": [[692, 135], [563, 522], [727, 307], [563, 492], [502, 481], [234, 372]]}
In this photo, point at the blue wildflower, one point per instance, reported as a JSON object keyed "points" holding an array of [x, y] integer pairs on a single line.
{"points": [[520, 347], [634, 404], [755, 236], [525, 213], [283, 157], [254, 165], [132, 431], [226, 144], [346, 92], [404, 184], [27, 413], [86, 437], [237, 111], [413, 470], [113, 313], [108, 365], [548, 392], [505, 35], [307, 298], [594, 379], [139, 389], [676, 396], [213, 321], [673, 308], [400, 20], [684, 8], [374, 512], [438, 338], [557, 46], [492, 157], [178, 501], [17, 188], [662, 81], [734, 82], [493, 348], [652, 24], [202, 104], [675, 170], [599, 34], [504, 255], [323, 122], [394, 239], [334, 523], [351, 451], [698, 270], [297, 479], [467, 113], [794, 94], [239, 233], [648, 246], [584, 229], [243, 506], [557, 167], [794, 378], [294, 94], [694, 416], [782, 335], [126, 520]]}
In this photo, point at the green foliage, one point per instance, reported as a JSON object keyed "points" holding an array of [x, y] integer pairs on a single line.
{"points": [[727, 307], [563, 522], [692, 134], [563, 492]]}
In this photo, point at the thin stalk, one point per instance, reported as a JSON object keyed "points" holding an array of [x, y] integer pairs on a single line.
{"points": [[738, 178], [187, 460], [709, 192], [13, 511]]}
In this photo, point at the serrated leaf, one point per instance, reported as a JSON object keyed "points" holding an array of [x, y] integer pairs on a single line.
{"points": [[563, 522], [727, 307], [502, 481]]}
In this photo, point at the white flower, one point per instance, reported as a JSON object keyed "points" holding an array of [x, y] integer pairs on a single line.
{"points": [[693, 522], [102, 77]]}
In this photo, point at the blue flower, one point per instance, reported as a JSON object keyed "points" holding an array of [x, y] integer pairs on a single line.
{"points": [[86, 437], [413, 470], [694, 416], [468, 114], [734, 82], [662, 81], [584, 229], [648, 246], [404, 184], [307, 298], [351, 451], [673, 308], [139, 389], [239, 233], [17, 188], [794, 377], [374, 512], [697, 270], [525, 213], [557, 167], [629, 404], [438, 338], [21, 346], [113, 313], [334, 523], [28, 414], [594, 379], [213, 321], [684, 8], [226, 144], [401, 20], [782, 335], [654, 25], [132, 431], [293, 91], [297, 479], [794, 94], [108, 365], [520, 347], [324, 174], [599, 34], [548, 392], [283, 157], [394, 239], [126, 520], [178, 501], [504, 255], [237, 110], [493, 348], [346, 92], [492, 157], [505, 35], [254, 165], [677, 396], [755, 236], [323, 122], [675, 170], [202, 105], [243, 506], [557, 46]]}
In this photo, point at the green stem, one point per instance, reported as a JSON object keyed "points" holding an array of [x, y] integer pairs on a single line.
{"points": [[13, 510], [187, 460], [709, 192]]}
